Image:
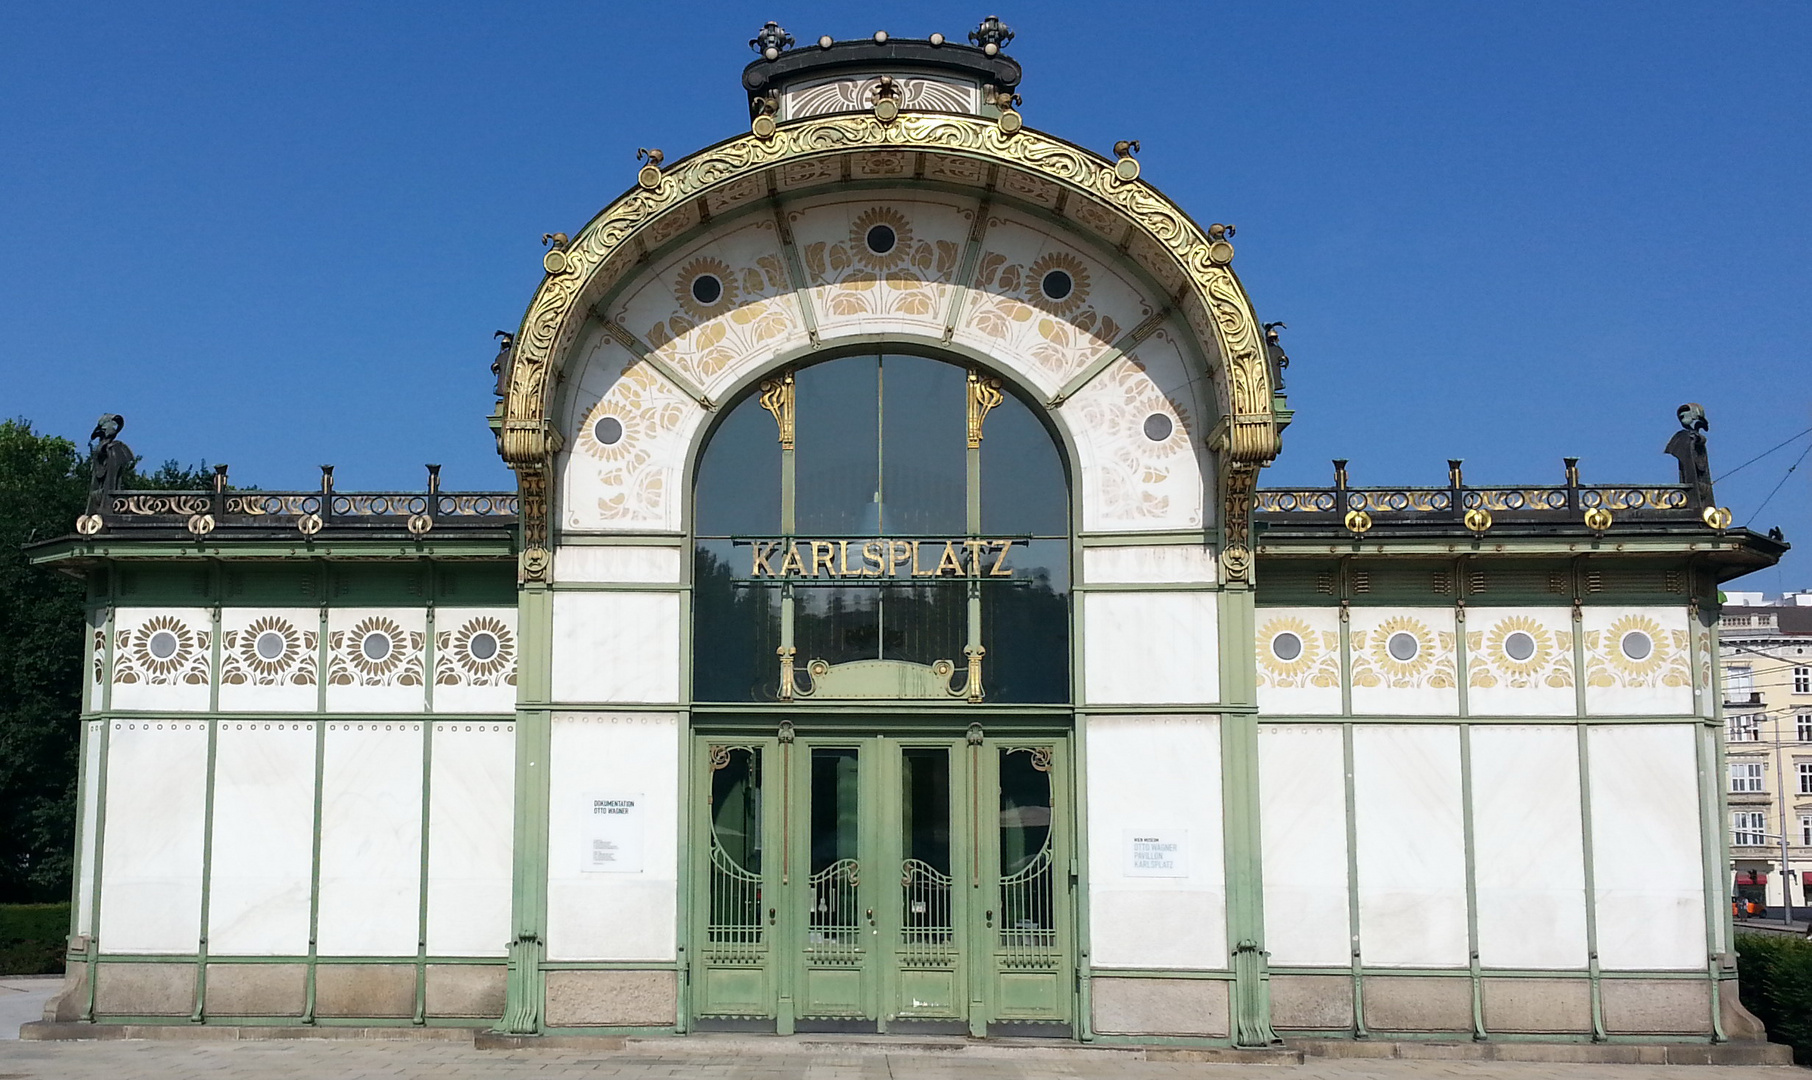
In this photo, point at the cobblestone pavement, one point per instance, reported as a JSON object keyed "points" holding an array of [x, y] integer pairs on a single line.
{"points": [[406, 1060]]}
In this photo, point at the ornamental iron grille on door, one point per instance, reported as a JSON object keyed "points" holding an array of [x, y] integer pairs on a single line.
{"points": [[882, 527]]}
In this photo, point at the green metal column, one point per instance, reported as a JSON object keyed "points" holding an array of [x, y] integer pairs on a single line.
{"points": [[534, 739], [1251, 1005]]}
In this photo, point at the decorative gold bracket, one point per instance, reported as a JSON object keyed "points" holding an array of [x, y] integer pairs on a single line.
{"points": [[984, 395], [777, 398]]}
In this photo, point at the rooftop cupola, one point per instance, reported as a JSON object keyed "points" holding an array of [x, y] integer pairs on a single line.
{"points": [[788, 80]]}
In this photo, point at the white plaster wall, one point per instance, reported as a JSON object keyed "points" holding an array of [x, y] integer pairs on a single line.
{"points": [[1658, 685], [594, 916], [1158, 773], [1302, 837], [1410, 845], [1499, 685], [1150, 564], [471, 813], [901, 296], [355, 686], [1650, 888], [91, 787], [1529, 858], [142, 682], [1308, 684], [614, 564], [152, 845], [264, 831], [371, 831], [463, 683], [616, 647], [1151, 648], [290, 684], [1427, 685]]}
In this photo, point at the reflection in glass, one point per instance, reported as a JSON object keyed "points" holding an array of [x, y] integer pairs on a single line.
{"points": [[1026, 627], [924, 447], [927, 929], [837, 421], [735, 917], [735, 628], [1028, 926], [833, 918], [1023, 490], [738, 489]]}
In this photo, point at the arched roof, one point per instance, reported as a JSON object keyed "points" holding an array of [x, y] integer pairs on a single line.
{"points": [[1087, 192]]}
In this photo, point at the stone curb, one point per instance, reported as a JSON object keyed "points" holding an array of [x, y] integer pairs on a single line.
{"points": [[1734, 1053], [49, 1031]]}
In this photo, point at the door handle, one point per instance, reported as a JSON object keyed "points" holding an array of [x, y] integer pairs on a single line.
{"points": [[871, 916], [990, 917], [770, 916]]}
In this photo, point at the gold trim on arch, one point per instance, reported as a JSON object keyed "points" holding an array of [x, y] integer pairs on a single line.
{"points": [[1248, 436]]}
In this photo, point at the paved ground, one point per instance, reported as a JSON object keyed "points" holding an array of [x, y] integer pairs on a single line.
{"points": [[408, 1060], [22, 1000]]}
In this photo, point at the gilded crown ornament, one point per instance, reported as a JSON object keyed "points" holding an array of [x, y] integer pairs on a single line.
{"points": [[771, 40], [991, 36]]}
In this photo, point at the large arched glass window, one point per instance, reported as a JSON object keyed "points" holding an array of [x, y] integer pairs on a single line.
{"points": [[881, 526]]}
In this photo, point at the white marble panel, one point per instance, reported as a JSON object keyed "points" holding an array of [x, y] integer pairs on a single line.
{"points": [[270, 659], [626, 916], [264, 834], [471, 812], [616, 647], [162, 659], [637, 563], [1650, 887], [476, 651], [1157, 774], [1308, 682], [1151, 648], [371, 836], [377, 660], [1529, 857], [1541, 683], [1150, 564], [1637, 661], [905, 291], [1425, 683], [1411, 845], [1129, 480], [152, 841], [1302, 829], [91, 788]]}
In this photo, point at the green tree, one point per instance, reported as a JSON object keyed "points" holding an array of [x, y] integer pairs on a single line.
{"points": [[43, 487]]}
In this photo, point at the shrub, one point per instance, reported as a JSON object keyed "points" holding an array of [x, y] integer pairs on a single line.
{"points": [[33, 938], [1774, 972]]}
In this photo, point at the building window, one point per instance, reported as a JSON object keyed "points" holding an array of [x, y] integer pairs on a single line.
{"points": [[1745, 776], [1746, 827], [1802, 680], [1805, 777], [1744, 728], [1803, 722], [1739, 682], [1805, 830]]}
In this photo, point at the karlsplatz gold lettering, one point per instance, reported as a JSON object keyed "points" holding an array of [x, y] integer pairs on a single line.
{"points": [[970, 557]]}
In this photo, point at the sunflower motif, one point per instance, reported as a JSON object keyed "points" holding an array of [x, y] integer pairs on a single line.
{"points": [[162, 646], [1403, 668], [1275, 646], [1057, 282], [375, 647], [269, 647], [484, 648], [1499, 646], [867, 221], [1633, 645], [705, 288]]}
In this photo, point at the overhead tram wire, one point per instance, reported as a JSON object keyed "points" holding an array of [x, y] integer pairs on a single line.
{"points": [[1762, 455], [1777, 487]]}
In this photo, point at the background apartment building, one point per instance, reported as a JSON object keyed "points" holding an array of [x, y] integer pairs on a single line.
{"points": [[1767, 665]]}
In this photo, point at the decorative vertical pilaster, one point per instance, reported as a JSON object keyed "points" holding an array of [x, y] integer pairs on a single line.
{"points": [[1251, 1004], [534, 741]]}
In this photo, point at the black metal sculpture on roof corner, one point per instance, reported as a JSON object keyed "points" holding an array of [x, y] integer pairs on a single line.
{"points": [[1688, 447], [109, 459]]}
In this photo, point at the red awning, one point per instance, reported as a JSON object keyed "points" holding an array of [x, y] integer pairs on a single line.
{"points": [[1751, 877]]}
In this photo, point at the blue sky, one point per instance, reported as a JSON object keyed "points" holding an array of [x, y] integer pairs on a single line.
{"points": [[281, 235]]}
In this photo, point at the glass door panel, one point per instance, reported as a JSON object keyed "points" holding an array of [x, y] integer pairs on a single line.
{"points": [[736, 946], [1028, 923], [928, 957], [839, 919]]}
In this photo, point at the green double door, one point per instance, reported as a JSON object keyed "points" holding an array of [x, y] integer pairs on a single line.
{"points": [[875, 883]]}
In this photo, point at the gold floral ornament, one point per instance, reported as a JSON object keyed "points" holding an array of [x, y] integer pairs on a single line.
{"points": [[1058, 282], [376, 652], [1636, 651], [706, 288], [880, 238], [480, 652], [163, 651], [271, 651], [1403, 652], [1519, 652], [1291, 653]]}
